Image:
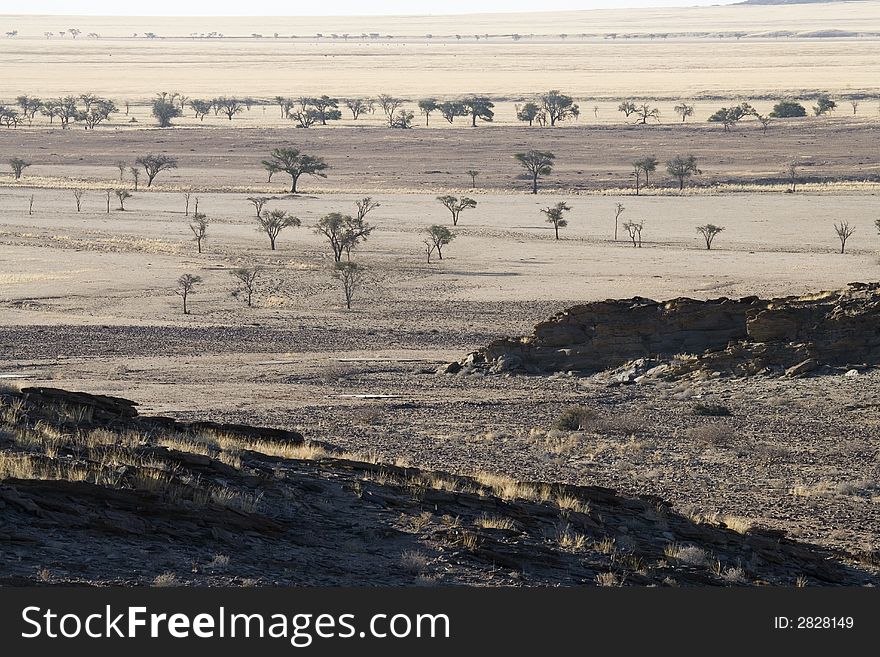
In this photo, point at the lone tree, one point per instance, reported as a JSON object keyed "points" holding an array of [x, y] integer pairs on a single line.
{"points": [[682, 167], [618, 210], [537, 163], [122, 166], [792, 175], [438, 237], [259, 202], [229, 106], [479, 107], [200, 108], [426, 107], [294, 163], [787, 109], [349, 274], [730, 116], [365, 206], [18, 166], [389, 105], [186, 284], [855, 105], [824, 105], [634, 228], [627, 107], [528, 112], [154, 164], [78, 196], [764, 121], [456, 205], [844, 231], [684, 111], [555, 216], [123, 196], [136, 176], [644, 112], [164, 110], [272, 222], [709, 231], [473, 173], [559, 107], [246, 277], [199, 227], [648, 165], [452, 108], [108, 194], [357, 106], [343, 232]]}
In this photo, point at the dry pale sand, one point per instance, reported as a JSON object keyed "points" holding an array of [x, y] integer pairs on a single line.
{"points": [[411, 65]]}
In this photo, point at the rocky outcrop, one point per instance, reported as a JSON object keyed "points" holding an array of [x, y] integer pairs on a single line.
{"points": [[738, 336]]}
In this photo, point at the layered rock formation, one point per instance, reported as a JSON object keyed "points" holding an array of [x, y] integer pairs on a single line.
{"points": [[736, 336]]}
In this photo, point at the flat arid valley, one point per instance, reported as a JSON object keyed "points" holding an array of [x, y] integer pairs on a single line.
{"points": [[575, 298]]}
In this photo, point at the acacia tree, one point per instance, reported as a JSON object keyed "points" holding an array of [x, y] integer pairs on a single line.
{"points": [[96, 111], [644, 112], [403, 119], [259, 202], [426, 106], [648, 165], [709, 232], [824, 105], [246, 278], [343, 232], [155, 164], [479, 107], [186, 284], [682, 167], [792, 175], [229, 106], [18, 165], [537, 163], [559, 107], [199, 227], [364, 206], [123, 196], [389, 105], [438, 237], [121, 165], [473, 173], [627, 107], [77, 196], [456, 205], [637, 175], [684, 111], [730, 116], [200, 108], [450, 109], [272, 222], [357, 106], [164, 110], [349, 274], [555, 216], [764, 121], [108, 193], [295, 164], [634, 228], [136, 175], [527, 112], [844, 231]]}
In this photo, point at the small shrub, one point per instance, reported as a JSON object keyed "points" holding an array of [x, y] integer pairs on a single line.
{"points": [[712, 410], [575, 418]]}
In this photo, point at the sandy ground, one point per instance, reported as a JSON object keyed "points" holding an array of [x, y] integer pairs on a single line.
{"points": [[411, 64]]}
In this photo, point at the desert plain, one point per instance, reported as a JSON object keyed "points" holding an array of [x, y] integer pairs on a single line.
{"points": [[88, 298]]}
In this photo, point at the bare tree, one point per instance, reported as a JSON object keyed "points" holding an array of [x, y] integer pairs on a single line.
{"points": [[792, 174], [136, 176], [229, 106], [247, 283], [634, 228], [186, 284], [154, 164], [108, 193], [123, 196], [199, 228], [644, 112], [648, 165], [357, 106], [77, 196], [473, 173], [438, 237], [389, 105], [186, 197], [709, 232], [364, 206], [349, 274], [627, 107], [122, 167], [844, 231], [555, 216], [764, 121], [31, 205], [537, 163], [456, 205], [618, 210], [855, 105], [272, 222]]}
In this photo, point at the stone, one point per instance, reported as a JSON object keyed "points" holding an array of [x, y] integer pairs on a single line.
{"points": [[852, 373], [802, 368]]}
